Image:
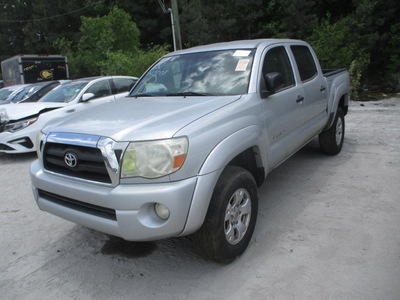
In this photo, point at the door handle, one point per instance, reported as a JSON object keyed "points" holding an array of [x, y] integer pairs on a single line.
{"points": [[70, 111], [322, 89], [299, 99]]}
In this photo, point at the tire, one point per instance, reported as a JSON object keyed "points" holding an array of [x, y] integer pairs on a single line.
{"points": [[231, 217], [331, 140]]}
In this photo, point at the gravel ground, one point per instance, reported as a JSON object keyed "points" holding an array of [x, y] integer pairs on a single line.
{"points": [[328, 228]]}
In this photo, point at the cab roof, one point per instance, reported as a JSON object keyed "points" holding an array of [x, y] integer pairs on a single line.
{"points": [[242, 44]]}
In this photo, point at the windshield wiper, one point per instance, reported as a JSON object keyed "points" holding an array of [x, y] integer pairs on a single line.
{"points": [[189, 94], [184, 94], [141, 95]]}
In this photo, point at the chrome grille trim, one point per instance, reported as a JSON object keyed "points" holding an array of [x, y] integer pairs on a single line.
{"points": [[75, 139], [112, 154], [91, 150]]}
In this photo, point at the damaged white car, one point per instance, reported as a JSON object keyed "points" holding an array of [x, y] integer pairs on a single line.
{"points": [[19, 124]]}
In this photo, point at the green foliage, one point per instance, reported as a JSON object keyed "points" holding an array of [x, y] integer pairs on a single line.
{"points": [[333, 43], [99, 38], [12, 35], [115, 31], [32, 27], [336, 47], [377, 29], [356, 70], [392, 51], [205, 21], [109, 45], [133, 64], [299, 18], [102, 36]]}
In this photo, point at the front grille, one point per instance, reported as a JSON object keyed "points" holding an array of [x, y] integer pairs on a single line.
{"points": [[89, 161], [87, 208]]}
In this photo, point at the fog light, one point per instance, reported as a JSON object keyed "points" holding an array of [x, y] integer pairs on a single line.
{"points": [[162, 211]]}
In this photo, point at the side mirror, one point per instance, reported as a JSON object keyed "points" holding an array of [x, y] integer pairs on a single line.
{"points": [[87, 96], [273, 82]]}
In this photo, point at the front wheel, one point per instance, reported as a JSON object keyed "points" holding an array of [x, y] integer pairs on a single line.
{"points": [[331, 140], [231, 217]]}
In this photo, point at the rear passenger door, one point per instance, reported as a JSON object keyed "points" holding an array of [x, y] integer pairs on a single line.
{"points": [[314, 87]]}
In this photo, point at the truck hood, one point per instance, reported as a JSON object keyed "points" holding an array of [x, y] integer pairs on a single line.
{"points": [[19, 111], [143, 118]]}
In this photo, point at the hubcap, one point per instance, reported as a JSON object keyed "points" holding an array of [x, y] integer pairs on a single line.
{"points": [[237, 216], [339, 131]]}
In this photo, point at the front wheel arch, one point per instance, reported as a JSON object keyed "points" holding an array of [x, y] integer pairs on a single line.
{"points": [[231, 217]]}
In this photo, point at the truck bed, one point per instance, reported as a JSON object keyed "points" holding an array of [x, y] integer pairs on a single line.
{"points": [[331, 72]]}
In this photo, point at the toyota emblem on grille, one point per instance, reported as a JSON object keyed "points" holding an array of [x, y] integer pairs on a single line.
{"points": [[70, 160]]}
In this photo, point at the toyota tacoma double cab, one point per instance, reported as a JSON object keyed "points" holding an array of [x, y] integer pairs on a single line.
{"points": [[185, 153]]}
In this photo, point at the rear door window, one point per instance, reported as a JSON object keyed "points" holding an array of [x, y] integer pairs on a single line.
{"points": [[305, 62], [123, 85], [100, 89]]}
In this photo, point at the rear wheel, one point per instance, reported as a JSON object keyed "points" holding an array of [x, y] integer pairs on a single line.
{"points": [[331, 140], [231, 217]]}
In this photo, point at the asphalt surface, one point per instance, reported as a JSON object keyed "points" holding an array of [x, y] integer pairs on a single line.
{"points": [[328, 228]]}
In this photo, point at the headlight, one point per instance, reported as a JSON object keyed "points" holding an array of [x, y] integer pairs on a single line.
{"points": [[3, 116], [13, 127], [154, 159]]}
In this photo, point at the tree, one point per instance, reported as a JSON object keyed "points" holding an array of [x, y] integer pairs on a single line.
{"points": [[11, 30], [52, 19], [205, 21], [32, 27], [336, 47], [100, 36], [109, 45], [153, 24], [377, 30], [135, 64], [362, 32], [299, 18]]}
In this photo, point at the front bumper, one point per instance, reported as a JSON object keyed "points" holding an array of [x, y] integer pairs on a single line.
{"points": [[126, 211], [18, 142]]}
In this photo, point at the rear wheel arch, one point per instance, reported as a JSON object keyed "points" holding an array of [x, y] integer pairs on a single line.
{"points": [[331, 140], [344, 104]]}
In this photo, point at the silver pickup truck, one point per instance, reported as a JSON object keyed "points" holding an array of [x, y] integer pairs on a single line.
{"points": [[185, 152]]}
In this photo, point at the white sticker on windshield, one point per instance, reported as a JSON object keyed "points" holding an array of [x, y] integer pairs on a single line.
{"points": [[241, 53], [242, 65]]}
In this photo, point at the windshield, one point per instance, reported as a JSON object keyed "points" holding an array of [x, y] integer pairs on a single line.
{"points": [[224, 72], [64, 93], [5, 92], [25, 93]]}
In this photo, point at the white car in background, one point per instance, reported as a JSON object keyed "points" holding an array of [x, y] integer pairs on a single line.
{"points": [[32, 92], [19, 124], [8, 91]]}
